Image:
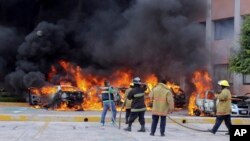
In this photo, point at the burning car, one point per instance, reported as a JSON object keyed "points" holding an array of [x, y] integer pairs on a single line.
{"points": [[207, 105], [179, 97], [56, 97]]}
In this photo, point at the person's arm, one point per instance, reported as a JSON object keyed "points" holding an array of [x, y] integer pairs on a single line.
{"points": [[111, 90], [236, 99]]}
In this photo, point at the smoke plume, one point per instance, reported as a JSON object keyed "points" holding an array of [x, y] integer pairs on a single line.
{"points": [[147, 36]]}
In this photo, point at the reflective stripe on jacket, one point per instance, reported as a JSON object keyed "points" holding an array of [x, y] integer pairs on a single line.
{"points": [[137, 97], [163, 100], [107, 93], [224, 104]]}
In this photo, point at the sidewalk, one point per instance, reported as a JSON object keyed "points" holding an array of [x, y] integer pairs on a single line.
{"points": [[25, 113], [92, 131]]}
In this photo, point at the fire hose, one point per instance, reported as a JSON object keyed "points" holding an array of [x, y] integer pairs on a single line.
{"points": [[185, 126], [195, 129]]}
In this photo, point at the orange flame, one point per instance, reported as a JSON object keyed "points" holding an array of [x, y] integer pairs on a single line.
{"points": [[46, 90], [151, 81], [202, 82], [88, 83], [176, 88]]}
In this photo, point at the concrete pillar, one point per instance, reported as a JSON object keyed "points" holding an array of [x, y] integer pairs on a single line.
{"points": [[237, 19], [237, 78], [209, 35]]}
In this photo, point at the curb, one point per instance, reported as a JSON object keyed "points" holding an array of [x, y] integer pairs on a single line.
{"points": [[10, 104], [94, 118], [48, 118]]}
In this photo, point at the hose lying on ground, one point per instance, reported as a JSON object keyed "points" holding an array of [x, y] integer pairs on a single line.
{"points": [[195, 129]]}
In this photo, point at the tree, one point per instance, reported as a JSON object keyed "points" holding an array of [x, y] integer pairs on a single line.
{"points": [[240, 63]]}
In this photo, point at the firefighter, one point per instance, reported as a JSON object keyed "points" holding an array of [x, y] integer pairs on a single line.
{"points": [[163, 104], [127, 102], [107, 95], [138, 106], [223, 107]]}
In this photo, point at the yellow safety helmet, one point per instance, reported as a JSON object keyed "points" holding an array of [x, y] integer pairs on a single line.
{"points": [[223, 83]]}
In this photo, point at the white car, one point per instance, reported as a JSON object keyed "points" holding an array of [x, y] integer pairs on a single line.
{"points": [[207, 105], [241, 106]]}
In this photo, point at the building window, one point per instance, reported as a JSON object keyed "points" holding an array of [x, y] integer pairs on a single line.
{"points": [[246, 79], [224, 29], [221, 72], [203, 24]]}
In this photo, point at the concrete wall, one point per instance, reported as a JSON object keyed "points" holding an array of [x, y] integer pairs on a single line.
{"points": [[245, 7], [222, 9], [240, 89], [220, 51]]}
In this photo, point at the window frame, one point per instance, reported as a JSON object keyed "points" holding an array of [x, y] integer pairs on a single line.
{"points": [[229, 74], [244, 79], [222, 21]]}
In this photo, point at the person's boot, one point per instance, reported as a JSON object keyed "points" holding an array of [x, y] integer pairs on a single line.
{"points": [[142, 129], [126, 121], [128, 129], [211, 131]]}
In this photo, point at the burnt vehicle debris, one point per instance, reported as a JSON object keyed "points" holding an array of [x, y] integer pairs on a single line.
{"points": [[56, 97], [179, 96]]}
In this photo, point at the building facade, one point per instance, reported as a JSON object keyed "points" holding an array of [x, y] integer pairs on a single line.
{"points": [[223, 25]]}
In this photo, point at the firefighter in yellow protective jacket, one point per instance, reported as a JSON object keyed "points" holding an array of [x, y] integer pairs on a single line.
{"points": [[163, 104], [127, 103], [223, 107]]}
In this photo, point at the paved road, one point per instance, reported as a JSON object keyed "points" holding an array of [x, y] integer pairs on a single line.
{"points": [[23, 123], [92, 131]]}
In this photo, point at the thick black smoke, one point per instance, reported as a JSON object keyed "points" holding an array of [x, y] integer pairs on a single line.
{"points": [[146, 36]]}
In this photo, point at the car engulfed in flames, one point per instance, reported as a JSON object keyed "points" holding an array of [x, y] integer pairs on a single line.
{"points": [[58, 97], [78, 89]]}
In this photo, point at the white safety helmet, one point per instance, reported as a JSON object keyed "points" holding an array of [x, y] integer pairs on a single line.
{"points": [[137, 80]]}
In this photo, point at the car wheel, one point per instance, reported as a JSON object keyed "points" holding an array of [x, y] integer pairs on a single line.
{"points": [[197, 112]]}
